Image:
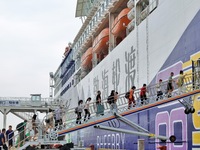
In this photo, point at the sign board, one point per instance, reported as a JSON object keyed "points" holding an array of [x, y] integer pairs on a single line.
{"points": [[10, 103]]}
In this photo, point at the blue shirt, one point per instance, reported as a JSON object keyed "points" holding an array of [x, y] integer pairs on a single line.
{"points": [[9, 134], [2, 137], [58, 114]]}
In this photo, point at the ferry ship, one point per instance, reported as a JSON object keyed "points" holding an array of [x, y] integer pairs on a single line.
{"points": [[131, 42]]}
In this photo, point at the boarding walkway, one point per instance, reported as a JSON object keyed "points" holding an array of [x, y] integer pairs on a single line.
{"points": [[190, 88], [25, 107]]}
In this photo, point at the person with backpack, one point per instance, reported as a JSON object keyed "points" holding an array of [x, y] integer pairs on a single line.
{"points": [[170, 86], [99, 105], [116, 96], [111, 101], [143, 92], [21, 128], [49, 120], [159, 90], [86, 109], [131, 98], [79, 111]]}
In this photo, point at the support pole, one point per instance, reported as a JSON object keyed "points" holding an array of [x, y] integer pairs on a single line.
{"points": [[135, 126], [150, 135], [4, 118]]}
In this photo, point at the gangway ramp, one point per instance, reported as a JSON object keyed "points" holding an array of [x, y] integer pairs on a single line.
{"points": [[71, 127], [96, 122], [70, 123]]}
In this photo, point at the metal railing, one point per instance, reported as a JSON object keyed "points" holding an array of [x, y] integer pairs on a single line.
{"points": [[122, 103], [189, 85]]}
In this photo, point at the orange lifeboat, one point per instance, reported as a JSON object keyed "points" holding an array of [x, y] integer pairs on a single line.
{"points": [[86, 59], [100, 43], [120, 23]]}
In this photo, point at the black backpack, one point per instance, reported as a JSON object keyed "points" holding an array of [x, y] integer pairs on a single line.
{"points": [[127, 95], [20, 126], [76, 110], [110, 99]]}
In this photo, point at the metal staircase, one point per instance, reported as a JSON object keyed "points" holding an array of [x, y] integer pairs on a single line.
{"points": [[122, 103], [53, 137]]}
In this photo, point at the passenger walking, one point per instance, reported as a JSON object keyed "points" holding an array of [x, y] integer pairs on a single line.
{"points": [[180, 82], [196, 74], [34, 124], [79, 111], [9, 136], [170, 86], [115, 101], [49, 120], [111, 101], [100, 106], [143, 92], [131, 98], [21, 128], [3, 139], [58, 116], [87, 108], [159, 90]]}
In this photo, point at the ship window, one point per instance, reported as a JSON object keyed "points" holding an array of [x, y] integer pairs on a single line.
{"points": [[144, 8], [178, 132], [162, 129]]}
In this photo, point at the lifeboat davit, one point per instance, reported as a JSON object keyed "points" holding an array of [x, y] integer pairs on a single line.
{"points": [[120, 23], [86, 59], [100, 44]]}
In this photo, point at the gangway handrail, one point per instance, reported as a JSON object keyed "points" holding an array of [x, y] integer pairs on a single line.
{"points": [[71, 123], [19, 132], [151, 90], [108, 117]]}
